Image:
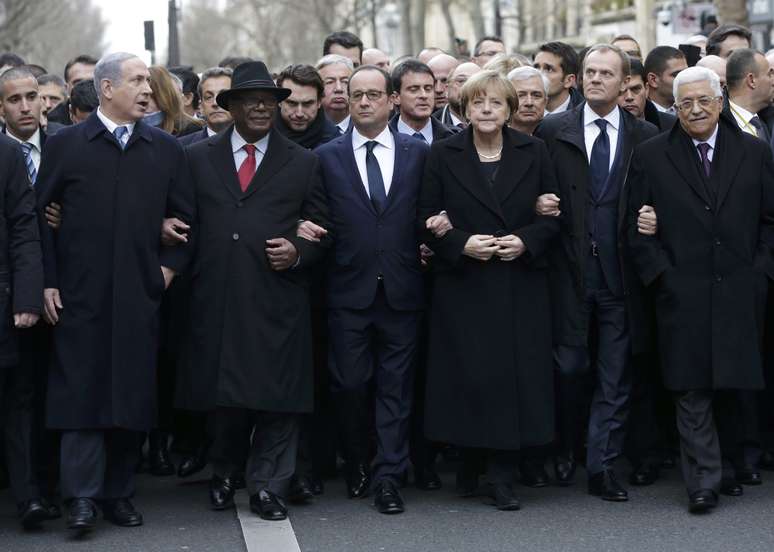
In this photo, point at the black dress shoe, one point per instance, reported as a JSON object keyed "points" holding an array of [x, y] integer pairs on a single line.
{"points": [[300, 491], [503, 496], [358, 481], [767, 461], [533, 474], [645, 474], [605, 485], [122, 512], [222, 493], [193, 463], [701, 501], [387, 499], [52, 509], [268, 506], [32, 513], [564, 469], [730, 487], [427, 479], [82, 514], [159, 462], [749, 475], [317, 485]]}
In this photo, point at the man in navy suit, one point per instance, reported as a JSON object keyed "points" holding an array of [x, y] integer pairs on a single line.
{"points": [[372, 176]]}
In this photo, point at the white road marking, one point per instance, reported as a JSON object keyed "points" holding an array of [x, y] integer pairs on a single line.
{"points": [[261, 535]]}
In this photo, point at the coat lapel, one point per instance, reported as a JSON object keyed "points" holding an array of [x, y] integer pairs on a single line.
{"points": [[222, 158], [277, 155], [514, 164], [725, 162], [347, 156], [399, 166], [572, 132]]}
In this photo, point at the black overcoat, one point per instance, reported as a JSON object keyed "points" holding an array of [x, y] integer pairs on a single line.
{"points": [[489, 381], [712, 256], [105, 260], [251, 344], [564, 137]]}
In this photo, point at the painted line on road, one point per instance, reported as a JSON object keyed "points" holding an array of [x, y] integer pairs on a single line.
{"points": [[261, 535]]}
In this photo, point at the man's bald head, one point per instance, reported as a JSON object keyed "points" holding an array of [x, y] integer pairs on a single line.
{"points": [[442, 66], [459, 76], [374, 56], [716, 64], [428, 53]]}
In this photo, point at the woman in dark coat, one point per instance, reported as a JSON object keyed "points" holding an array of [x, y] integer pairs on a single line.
{"points": [[490, 383]]}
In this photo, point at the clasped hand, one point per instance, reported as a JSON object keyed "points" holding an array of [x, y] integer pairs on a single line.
{"points": [[483, 247]]}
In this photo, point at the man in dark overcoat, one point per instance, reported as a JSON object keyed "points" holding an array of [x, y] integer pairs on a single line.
{"points": [[251, 344], [709, 264], [105, 271]]}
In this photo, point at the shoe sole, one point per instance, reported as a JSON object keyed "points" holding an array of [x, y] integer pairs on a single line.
{"points": [[535, 485], [701, 509], [509, 507], [392, 511], [81, 527], [125, 524]]}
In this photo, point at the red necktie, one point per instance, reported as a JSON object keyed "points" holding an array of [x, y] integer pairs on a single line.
{"points": [[247, 170]]}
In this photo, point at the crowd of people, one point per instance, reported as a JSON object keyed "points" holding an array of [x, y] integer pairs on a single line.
{"points": [[370, 266]]}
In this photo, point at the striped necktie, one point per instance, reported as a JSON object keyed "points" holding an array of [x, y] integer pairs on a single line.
{"points": [[31, 172], [119, 133]]}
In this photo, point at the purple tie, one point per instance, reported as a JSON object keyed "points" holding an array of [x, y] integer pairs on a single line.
{"points": [[704, 148]]}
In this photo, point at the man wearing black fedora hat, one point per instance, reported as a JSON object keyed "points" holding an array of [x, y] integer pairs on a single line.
{"points": [[251, 345]]}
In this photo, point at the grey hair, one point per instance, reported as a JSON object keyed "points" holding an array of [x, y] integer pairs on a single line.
{"points": [[525, 73], [109, 68], [331, 59], [697, 74], [213, 73]]}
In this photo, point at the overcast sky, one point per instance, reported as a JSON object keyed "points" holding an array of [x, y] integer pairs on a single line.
{"points": [[125, 25]]}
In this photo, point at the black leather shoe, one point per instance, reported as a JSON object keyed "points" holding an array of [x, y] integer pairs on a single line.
{"points": [[159, 462], [193, 463], [427, 479], [53, 510], [767, 461], [645, 474], [122, 512], [701, 501], [300, 491], [32, 513], [749, 475], [503, 496], [730, 487], [533, 474], [222, 493], [268, 506], [358, 481], [387, 499], [564, 469], [82, 514], [317, 485], [605, 485]]}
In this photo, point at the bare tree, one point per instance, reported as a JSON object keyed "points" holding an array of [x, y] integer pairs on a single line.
{"points": [[732, 11], [450, 27], [477, 16], [407, 37]]}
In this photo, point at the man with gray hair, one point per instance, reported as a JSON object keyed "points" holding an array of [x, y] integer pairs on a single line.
{"points": [[116, 179], [335, 71], [708, 266], [532, 91]]}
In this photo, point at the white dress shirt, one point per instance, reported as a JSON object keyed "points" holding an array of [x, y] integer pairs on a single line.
{"points": [[711, 141], [671, 109], [562, 108], [34, 141], [344, 124], [111, 126], [210, 132], [427, 130], [237, 147], [742, 117], [384, 152], [591, 130]]}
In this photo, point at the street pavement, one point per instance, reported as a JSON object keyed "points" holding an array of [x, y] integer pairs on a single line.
{"points": [[551, 519]]}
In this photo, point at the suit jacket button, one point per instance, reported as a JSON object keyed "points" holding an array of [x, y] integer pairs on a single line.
{"points": [[706, 207], [718, 278], [239, 203], [235, 237]]}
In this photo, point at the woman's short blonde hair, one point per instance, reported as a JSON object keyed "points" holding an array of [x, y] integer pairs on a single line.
{"points": [[505, 63], [485, 83]]}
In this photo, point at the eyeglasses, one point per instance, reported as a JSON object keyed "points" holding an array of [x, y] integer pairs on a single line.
{"points": [[252, 103], [372, 95], [687, 105]]}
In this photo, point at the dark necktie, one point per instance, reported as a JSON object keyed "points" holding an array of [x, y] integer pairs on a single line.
{"points": [[375, 180], [119, 133], [419, 136], [247, 169], [30, 164], [600, 160], [761, 130], [706, 164]]}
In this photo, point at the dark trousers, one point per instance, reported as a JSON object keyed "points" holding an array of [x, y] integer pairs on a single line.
{"points": [[424, 452], [272, 450], [699, 444], [99, 463], [379, 344], [608, 412], [16, 398]]}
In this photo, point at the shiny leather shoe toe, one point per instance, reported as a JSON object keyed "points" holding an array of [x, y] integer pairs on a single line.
{"points": [[300, 491], [268, 506], [702, 501], [222, 493], [387, 499], [533, 474], [730, 487], [503, 496], [32, 513], [606, 486], [53, 510], [645, 474], [749, 476], [193, 464], [358, 481], [427, 480], [82, 514], [564, 470], [122, 512]]}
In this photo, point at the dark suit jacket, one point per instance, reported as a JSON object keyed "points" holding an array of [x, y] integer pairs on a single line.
{"points": [[440, 130], [367, 244], [444, 116], [564, 136], [662, 121], [192, 138], [709, 263]]}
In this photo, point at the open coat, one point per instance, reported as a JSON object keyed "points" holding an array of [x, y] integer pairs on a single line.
{"points": [[105, 260], [710, 261], [489, 380]]}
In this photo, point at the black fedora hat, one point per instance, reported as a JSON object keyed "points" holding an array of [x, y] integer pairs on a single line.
{"points": [[252, 75]]}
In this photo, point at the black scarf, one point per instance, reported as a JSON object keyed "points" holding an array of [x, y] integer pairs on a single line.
{"points": [[321, 130]]}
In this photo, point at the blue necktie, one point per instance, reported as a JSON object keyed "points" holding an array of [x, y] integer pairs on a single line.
{"points": [[419, 136], [119, 133], [599, 167], [31, 172], [375, 180]]}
